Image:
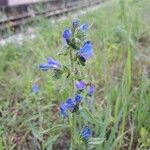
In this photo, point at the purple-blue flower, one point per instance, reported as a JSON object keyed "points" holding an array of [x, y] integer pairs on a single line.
{"points": [[64, 109], [84, 27], [80, 85], [86, 51], [78, 98], [44, 67], [86, 133], [51, 64], [67, 34], [75, 23], [91, 90], [70, 104], [35, 88]]}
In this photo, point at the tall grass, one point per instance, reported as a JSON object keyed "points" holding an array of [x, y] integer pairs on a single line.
{"points": [[120, 70]]}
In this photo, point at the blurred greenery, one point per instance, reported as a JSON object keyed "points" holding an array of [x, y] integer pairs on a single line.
{"points": [[120, 70]]}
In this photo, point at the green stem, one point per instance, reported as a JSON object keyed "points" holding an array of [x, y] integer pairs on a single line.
{"points": [[73, 121], [72, 69]]}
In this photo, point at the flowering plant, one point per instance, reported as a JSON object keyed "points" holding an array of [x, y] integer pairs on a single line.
{"points": [[79, 50]]}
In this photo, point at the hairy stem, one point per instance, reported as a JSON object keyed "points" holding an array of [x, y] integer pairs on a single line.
{"points": [[73, 121]]}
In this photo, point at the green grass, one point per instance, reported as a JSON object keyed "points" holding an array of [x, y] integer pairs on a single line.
{"points": [[120, 70]]}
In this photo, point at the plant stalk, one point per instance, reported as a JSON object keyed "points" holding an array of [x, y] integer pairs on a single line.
{"points": [[73, 121]]}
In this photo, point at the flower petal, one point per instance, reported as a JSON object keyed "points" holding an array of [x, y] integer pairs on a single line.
{"points": [[44, 67], [35, 88], [63, 109], [80, 85], [67, 34], [86, 133], [91, 90], [86, 51], [53, 63], [70, 104], [84, 27], [78, 98]]}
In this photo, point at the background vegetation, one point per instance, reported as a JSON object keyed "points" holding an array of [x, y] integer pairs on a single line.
{"points": [[120, 70]]}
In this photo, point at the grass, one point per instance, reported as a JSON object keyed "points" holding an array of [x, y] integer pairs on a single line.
{"points": [[120, 70]]}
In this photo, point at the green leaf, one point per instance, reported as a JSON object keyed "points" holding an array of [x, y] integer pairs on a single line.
{"points": [[36, 133], [57, 74], [147, 143], [64, 51], [1, 144], [49, 143], [65, 68], [143, 133], [88, 116], [96, 141], [54, 128]]}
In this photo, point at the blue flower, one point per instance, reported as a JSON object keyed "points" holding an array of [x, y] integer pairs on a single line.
{"points": [[44, 67], [75, 23], [70, 104], [63, 110], [80, 85], [78, 98], [51, 64], [67, 34], [35, 88], [86, 133], [91, 90], [86, 51], [84, 27]]}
